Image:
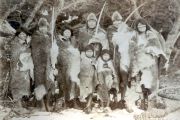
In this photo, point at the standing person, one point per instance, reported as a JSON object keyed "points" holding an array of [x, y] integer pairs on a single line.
{"points": [[41, 45], [68, 67], [105, 77], [21, 68], [93, 52], [146, 63], [85, 38], [88, 31], [88, 78], [116, 20], [123, 43], [106, 73]]}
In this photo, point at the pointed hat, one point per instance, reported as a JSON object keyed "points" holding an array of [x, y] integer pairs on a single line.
{"points": [[116, 16], [91, 16]]}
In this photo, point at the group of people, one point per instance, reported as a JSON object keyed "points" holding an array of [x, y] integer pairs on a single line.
{"points": [[88, 67]]}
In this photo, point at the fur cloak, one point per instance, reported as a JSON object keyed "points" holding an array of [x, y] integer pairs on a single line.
{"points": [[68, 65], [21, 69], [41, 45]]}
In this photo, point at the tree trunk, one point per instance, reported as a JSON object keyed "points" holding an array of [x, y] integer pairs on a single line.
{"points": [[173, 36]]}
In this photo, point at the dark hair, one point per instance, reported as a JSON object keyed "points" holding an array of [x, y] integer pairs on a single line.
{"points": [[105, 51], [65, 27], [143, 22], [89, 47]]}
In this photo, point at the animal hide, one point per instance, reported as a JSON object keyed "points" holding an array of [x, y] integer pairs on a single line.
{"points": [[20, 70], [68, 65], [74, 68], [123, 38], [27, 63], [148, 50], [41, 45]]}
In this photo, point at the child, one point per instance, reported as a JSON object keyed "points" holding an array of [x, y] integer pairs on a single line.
{"points": [[105, 70]]}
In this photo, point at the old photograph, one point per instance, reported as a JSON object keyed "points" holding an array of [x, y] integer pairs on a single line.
{"points": [[89, 59]]}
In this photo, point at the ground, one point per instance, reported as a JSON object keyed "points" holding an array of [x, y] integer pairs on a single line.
{"points": [[172, 112], [73, 114]]}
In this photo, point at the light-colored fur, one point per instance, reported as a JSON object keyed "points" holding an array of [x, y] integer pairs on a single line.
{"points": [[40, 92]]}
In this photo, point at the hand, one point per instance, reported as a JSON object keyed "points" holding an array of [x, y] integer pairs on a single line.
{"points": [[28, 39], [93, 62]]}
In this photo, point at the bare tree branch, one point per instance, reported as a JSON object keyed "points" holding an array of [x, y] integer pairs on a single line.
{"points": [[135, 11], [135, 8], [31, 17]]}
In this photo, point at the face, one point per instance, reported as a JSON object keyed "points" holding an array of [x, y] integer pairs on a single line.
{"points": [[89, 53], [117, 22], [22, 37], [141, 27], [91, 24], [106, 56], [67, 33]]}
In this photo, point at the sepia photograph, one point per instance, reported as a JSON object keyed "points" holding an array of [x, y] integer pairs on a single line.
{"points": [[89, 59]]}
